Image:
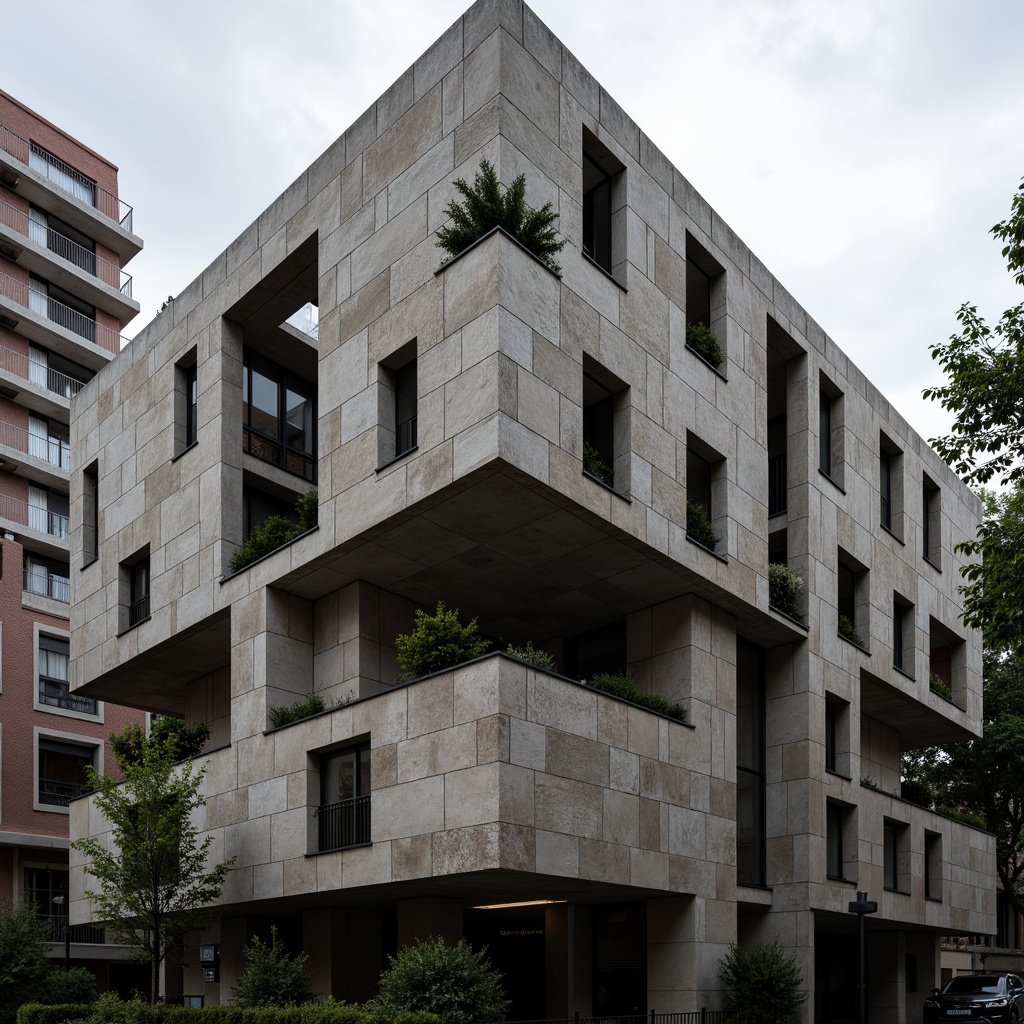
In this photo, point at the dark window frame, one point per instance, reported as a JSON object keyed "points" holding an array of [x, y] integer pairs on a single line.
{"points": [[406, 408], [751, 857], [55, 691], [343, 819], [54, 788], [139, 584]]}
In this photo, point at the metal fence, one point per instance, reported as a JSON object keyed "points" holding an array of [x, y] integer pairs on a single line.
{"points": [[346, 823], [701, 1016]]}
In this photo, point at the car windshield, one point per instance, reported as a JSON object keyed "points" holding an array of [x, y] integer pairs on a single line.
{"points": [[975, 985]]}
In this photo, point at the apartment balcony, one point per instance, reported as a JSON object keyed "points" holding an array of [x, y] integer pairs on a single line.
{"points": [[38, 528], [48, 585], [43, 460], [53, 185], [44, 251], [35, 385], [50, 323]]}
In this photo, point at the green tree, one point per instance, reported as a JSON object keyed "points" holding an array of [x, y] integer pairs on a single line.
{"points": [[154, 884], [455, 982], [23, 938], [486, 208], [436, 642], [765, 986], [187, 740], [272, 976], [985, 366]]}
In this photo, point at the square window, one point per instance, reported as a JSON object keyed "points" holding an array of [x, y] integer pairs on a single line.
{"points": [[60, 770], [343, 818]]}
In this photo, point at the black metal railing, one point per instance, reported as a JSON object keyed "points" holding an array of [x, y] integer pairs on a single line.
{"points": [[777, 487], [78, 932], [58, 792], [138, 610], [346, 823], [270, 449], [56, 694], [701, 1016], [46, 584]]}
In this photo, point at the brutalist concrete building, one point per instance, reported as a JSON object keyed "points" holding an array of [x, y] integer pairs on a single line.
{"points": [[607, 855]]}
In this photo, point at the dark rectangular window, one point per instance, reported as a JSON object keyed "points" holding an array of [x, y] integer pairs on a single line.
{"points": [[405, 408], [343, 817], [750, 777], [890, 855], [825, 433], [831, 715], [138, 604], [933, 865], [897, 635], [47, 577], [931, 523], [835, 815], [278, 416], [598, 430], [55, 677], [597, 213], [191, 404], [62, 771], [90, 514], [885, 487]]}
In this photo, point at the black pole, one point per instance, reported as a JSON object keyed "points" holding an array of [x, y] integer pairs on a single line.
{"points": [[862, 996], [67, 944]]}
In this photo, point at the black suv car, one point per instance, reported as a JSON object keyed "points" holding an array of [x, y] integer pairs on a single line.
{"points": [[977, 999]]}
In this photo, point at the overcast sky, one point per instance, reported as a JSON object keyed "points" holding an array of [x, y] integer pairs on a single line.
{"points": [[861, 149]]}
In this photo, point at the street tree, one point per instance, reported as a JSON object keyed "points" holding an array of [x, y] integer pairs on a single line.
{"points": [[155, 878], [984, 366]]}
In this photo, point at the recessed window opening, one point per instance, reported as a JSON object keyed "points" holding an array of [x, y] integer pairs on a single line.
{"points": [[750, 765], [831, 714], [343, 818], [55, 677], [835, 822], [931, 522], [598, 430], [47, 577], [894, 841], [933, 865], [902, 634], [830, 431], [138, 606], [62, 771], [705, 493], [890, 486], [90, 514], [597, 213], [596, 650], [852, 599], [405, 408], [278, 416]]}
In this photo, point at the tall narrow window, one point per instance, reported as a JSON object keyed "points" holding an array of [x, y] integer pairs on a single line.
{"points": [[191, 404], [932, 866], [278, 416], [931, 523], [831, 432], [55, 677], [138, 608], [902, 635], [891, 836], [90, 514], [852, 599], [885, 487], [598, 430], [831, 714], [750, 780], [603, 202], [405, 408], [705, 303], [825, 433], [835, 821], [890, 486], [343, 817]]}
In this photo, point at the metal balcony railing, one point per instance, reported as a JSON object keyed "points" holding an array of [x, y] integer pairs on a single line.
{"points": [[346, 823], [17, 511], [778, 495], [48, 584], [79, 932], [55, 693], [54, 450], [63, 316], [59, 793], [107, 272], [66, 177], [138, 610], [270, 449], [28, 369]]}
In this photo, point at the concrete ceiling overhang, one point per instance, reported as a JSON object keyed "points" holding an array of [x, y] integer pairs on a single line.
{"points": [[917, 724], [528, 562]]}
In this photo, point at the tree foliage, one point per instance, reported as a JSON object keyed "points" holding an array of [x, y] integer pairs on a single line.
{"points": [[154, 880], [272, 976], [985, 366], [765, 985], [486, 208], [438, 640], [455, 982], [186, 740]]}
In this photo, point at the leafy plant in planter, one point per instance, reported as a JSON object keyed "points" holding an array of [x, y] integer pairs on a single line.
{"points": [[765, 985], [698, 525], [848, 631], [619, 684], [595, 465], [486, 208], [704, 343], [532, 655], [314, 704], [438, 640], [276, 531], [785, 588], [939, 687]]}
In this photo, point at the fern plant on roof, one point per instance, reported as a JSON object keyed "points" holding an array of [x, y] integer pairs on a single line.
{"points": [[486, 207]]}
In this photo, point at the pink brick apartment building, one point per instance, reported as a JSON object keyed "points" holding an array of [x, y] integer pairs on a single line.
{"points": [[64, 298]]}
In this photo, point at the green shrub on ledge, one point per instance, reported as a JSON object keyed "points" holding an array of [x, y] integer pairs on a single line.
{"points": [[595, 465], [487, 208], [532, 655], [939, 687], [785, 588], [619, 684], [848, 631], [704, 343], [314, 704], [698, 525], [275, 531], [438, 640]]}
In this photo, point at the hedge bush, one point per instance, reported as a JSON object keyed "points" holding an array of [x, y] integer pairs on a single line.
{"points": [[275, 531], [619, 684], [438, 641]]}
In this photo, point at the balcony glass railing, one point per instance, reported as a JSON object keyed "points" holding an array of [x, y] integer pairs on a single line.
{"points": [[85, 259], [48, 584], [346, 823], [65, 177], [63, 316], [23, 366]]}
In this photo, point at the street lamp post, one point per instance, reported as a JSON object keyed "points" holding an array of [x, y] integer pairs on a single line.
{"points": [[862, 906], [63, 916]]}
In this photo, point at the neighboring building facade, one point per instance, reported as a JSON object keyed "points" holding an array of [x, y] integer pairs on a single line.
{"points": [[64, 297], [444, 417]]}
